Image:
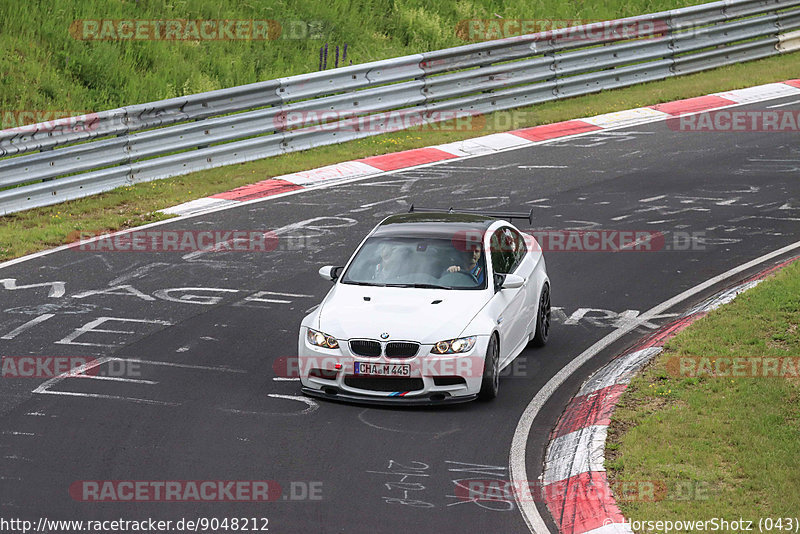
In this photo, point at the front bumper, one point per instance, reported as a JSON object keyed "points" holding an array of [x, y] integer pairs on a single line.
{"points": [[358, 398], [342, 383]]}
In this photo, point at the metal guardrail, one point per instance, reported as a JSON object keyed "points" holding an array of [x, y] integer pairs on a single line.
{"points": [[71, 158]]}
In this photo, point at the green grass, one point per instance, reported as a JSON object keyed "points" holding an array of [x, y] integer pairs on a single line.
{"points": [[44, 68], [734, 441]]}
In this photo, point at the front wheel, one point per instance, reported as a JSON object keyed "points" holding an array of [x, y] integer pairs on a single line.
{"points": [[491, 371], [543, 319]]}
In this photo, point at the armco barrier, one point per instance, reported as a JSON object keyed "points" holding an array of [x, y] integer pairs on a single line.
{"points": [[52, 162]]}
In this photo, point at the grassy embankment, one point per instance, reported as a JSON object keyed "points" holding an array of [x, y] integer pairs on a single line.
{"points": [[722, 444]]}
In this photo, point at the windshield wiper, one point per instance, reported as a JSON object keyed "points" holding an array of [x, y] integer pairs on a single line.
{"points": [[421, 286]]}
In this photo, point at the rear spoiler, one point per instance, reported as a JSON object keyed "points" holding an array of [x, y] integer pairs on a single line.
{"points": [[496, 214]]}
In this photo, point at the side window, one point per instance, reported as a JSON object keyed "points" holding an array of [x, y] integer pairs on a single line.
{"points": [[521, 248], [503, 250]]}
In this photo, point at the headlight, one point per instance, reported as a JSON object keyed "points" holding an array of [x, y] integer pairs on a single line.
{"points": [[321, 339], [454, 346]]}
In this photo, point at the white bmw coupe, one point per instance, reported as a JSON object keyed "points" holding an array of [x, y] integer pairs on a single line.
{"points": [[429, 309]]}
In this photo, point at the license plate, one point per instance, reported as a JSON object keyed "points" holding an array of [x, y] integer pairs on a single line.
{"points": [[383, 369]]}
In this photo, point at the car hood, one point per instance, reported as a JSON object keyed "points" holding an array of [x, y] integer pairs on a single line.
{"points": [[404, 313]]}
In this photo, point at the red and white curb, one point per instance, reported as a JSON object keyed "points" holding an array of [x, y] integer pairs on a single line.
{"points": [[375, 165], [574, 482]]}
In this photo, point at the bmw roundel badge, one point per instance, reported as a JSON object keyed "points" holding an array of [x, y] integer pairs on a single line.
{"points": [[385, 335]]}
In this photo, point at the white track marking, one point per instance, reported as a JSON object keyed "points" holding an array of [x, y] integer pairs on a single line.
{"points": [[436, 435], [182, 365], [620, 373], [784, 105], [288, 229], [137, 273], [330, 173], [517, 461], [627, 117], [82, 369], [574, 453], [77, 370], [56, 288], [759, 92], [312, 406], [109, 397], [197, 206], [116, 379], [43, 388], [636, 243], [257, 297], [90, 327], [371, 204], [30, 324], [543, 167], [285, 379]]}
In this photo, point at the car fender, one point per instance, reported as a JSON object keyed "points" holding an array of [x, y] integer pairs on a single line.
{"points": [[483, 324]]}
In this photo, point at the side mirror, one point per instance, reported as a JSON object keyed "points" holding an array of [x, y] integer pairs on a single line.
{"points": [[513, 281], [330, 273]]}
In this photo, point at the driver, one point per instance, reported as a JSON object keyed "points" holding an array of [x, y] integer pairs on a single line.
{"points": [[471, 266]]}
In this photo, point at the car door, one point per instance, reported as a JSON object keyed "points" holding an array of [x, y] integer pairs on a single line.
{"points": [[511, 321], [526, 265]]}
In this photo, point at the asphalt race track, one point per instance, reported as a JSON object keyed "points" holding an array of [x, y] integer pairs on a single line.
{"points": [[205, 403]]}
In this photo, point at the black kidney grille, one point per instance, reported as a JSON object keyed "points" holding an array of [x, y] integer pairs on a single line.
{"points": [[401, 349], [365, 347]]}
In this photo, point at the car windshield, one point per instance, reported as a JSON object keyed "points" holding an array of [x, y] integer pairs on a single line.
{"points": [[421, 262]]}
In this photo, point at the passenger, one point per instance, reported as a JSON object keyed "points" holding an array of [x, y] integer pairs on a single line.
{"points": [[391, 262]]}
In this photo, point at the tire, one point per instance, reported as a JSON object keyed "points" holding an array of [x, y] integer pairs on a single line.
{"points": [[542, 331], [491, 371]]}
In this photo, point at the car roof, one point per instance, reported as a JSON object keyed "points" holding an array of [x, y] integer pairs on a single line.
{"points": [[432, 224]]}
